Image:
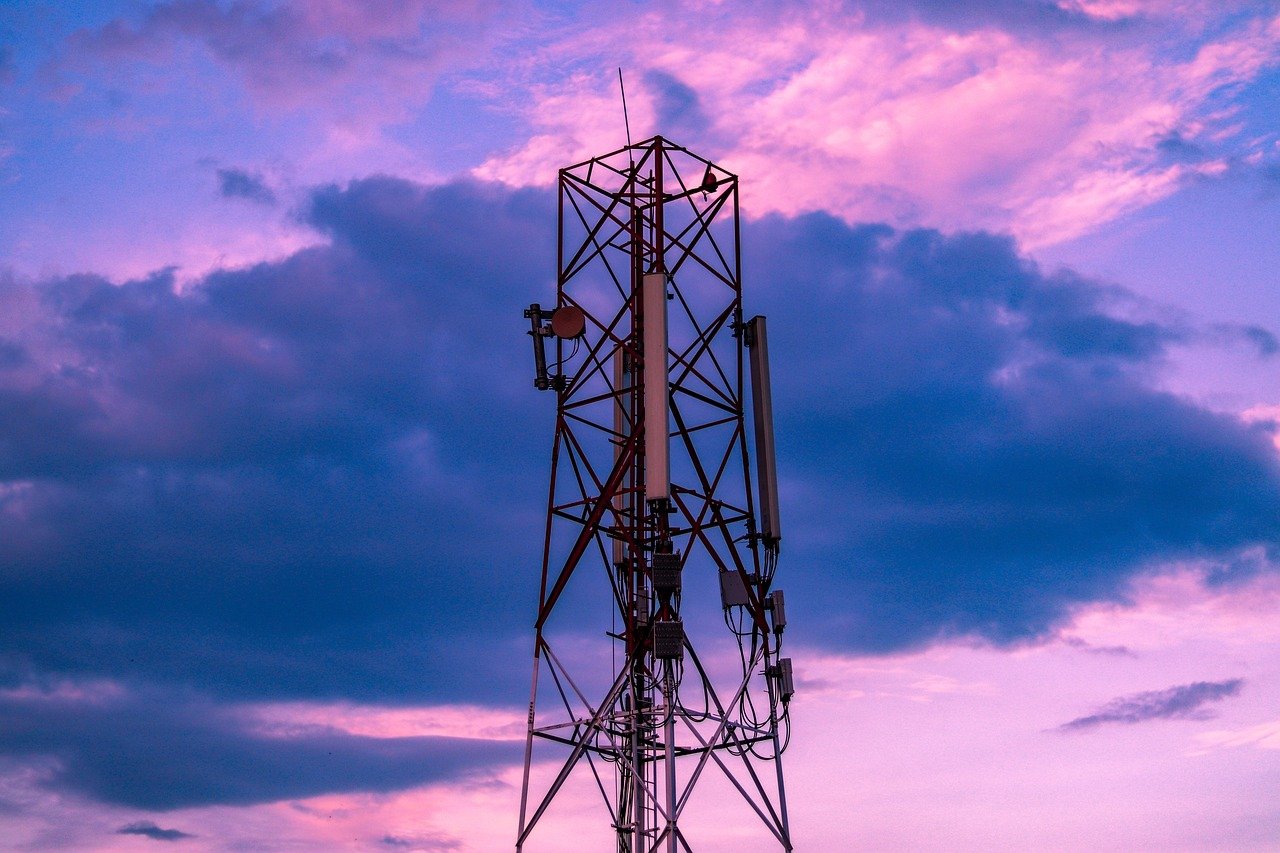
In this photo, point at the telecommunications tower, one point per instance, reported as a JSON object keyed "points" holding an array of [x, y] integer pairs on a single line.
{"points": [[655, 538]]}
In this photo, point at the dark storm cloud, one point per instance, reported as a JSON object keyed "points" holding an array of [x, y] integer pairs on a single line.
{"points": [[149, 829], [236, 183], [161, 751], [1183, 702], [323, 477], [1246, 564], [285, 481], [973, 446]]}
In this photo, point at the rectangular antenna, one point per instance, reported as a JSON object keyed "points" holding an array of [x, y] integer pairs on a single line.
{"points": [[620, 380], [657, 457], [762, 403]]}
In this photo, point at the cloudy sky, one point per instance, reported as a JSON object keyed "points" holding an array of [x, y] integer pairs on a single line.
{"points": [[271, 464]]}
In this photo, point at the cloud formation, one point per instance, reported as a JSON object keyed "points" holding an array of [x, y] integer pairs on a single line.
{"points": [[1042, 119], [433, 842], [164, 751], [305, 457], [1182, 702], [314, 447], [236, 183], [973, 445], [350, 59], [317, 478], [149, 829]]}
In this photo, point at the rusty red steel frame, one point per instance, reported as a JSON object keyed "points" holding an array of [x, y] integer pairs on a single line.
{"points": [[651, 527]]}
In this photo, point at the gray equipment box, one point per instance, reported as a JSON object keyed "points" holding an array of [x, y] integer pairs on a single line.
{"points": [[778, 609], [666, 573], [668, 640], [786, 681], [733, 592]]}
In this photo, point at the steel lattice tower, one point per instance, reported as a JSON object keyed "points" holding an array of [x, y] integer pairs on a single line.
{"points": [[652, 519]]}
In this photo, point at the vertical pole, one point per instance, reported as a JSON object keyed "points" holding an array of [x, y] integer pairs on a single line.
{"points": [[528, 748], [777, 760], [659, 198], [622, 416], [669, 739], [658, 430], [742, 333], [619, 424], [782, 793], [636, 558], [546, 541]]}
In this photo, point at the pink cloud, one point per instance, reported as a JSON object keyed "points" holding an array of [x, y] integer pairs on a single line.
{"points": [[1047, 138], [389, 722], [947, 747], [1264, 414], [1262, 736], [1175, 608]]}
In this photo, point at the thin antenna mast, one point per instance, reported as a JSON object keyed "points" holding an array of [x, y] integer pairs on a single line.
{"points": [[625, 120]]}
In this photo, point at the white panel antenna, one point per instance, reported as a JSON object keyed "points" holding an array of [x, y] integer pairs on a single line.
{"points": [[657, 450]]}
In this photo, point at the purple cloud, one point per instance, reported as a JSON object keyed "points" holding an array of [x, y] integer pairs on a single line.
{"points": [[332, 454], [162, 751], [1183, 702], [439, 842], [992, 431], [301, 54], [237, 183], [148, 829], [317, 477], [7, 72]]}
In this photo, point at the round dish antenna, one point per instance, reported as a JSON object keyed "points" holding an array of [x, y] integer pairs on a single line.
{"points": [[568, 321]]}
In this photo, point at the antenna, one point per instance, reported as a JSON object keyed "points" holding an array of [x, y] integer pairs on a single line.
{"points": [[762, 406], [657, 443], [654, 533], [626, 121]]}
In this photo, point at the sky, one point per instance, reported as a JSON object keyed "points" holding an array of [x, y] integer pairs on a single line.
{"points": [[272, 466]]}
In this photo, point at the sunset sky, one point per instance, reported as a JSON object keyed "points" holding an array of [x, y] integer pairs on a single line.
{"points": [[272, 468]]}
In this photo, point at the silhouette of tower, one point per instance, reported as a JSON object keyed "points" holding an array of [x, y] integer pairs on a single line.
{"points": [[655, 536]]}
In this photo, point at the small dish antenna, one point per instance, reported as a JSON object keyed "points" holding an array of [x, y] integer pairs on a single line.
{"points": [[568, 321]]}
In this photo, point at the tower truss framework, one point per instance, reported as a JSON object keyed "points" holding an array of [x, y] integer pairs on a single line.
{"points": [[652, 526]]}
